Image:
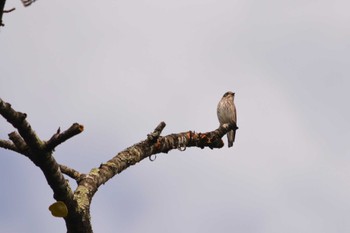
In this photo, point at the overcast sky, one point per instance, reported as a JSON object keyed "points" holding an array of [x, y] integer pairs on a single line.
{"points": [[121, 67]]}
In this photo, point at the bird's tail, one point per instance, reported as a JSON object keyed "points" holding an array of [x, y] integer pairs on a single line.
{"points": [[231, 137]]}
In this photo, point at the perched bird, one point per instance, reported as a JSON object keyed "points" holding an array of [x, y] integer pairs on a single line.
{"points": [[226, 112]]}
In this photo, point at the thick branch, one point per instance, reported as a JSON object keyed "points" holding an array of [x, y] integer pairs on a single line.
{"points": [[154, 144]]}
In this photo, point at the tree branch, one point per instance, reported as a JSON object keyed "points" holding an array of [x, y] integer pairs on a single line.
{"points": [[29, 144], [154, 144], [8, 11], [18, 120], [26, 142], [59, 138], [70, 172]]}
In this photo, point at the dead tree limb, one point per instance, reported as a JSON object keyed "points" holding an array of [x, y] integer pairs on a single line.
{"points": [[78, 202], [30, 145]]}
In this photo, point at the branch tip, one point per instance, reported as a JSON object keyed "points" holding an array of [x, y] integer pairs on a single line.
{"points": [[59, 137], [77, 127], [81, 128]]}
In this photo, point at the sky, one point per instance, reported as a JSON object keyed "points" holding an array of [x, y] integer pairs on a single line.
{"points": [[121, 67]]}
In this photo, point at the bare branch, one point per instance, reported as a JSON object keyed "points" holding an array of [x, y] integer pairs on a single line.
{"points": [[59, 138], [70, 172], [8, 11], [154, 144], [29, 144]]}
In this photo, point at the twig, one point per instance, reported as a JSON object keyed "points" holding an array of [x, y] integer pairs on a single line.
{"points": [[8, 11], [70, 172]]}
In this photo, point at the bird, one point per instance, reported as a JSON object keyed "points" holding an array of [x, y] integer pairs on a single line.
{"points": [[227, 114]]}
